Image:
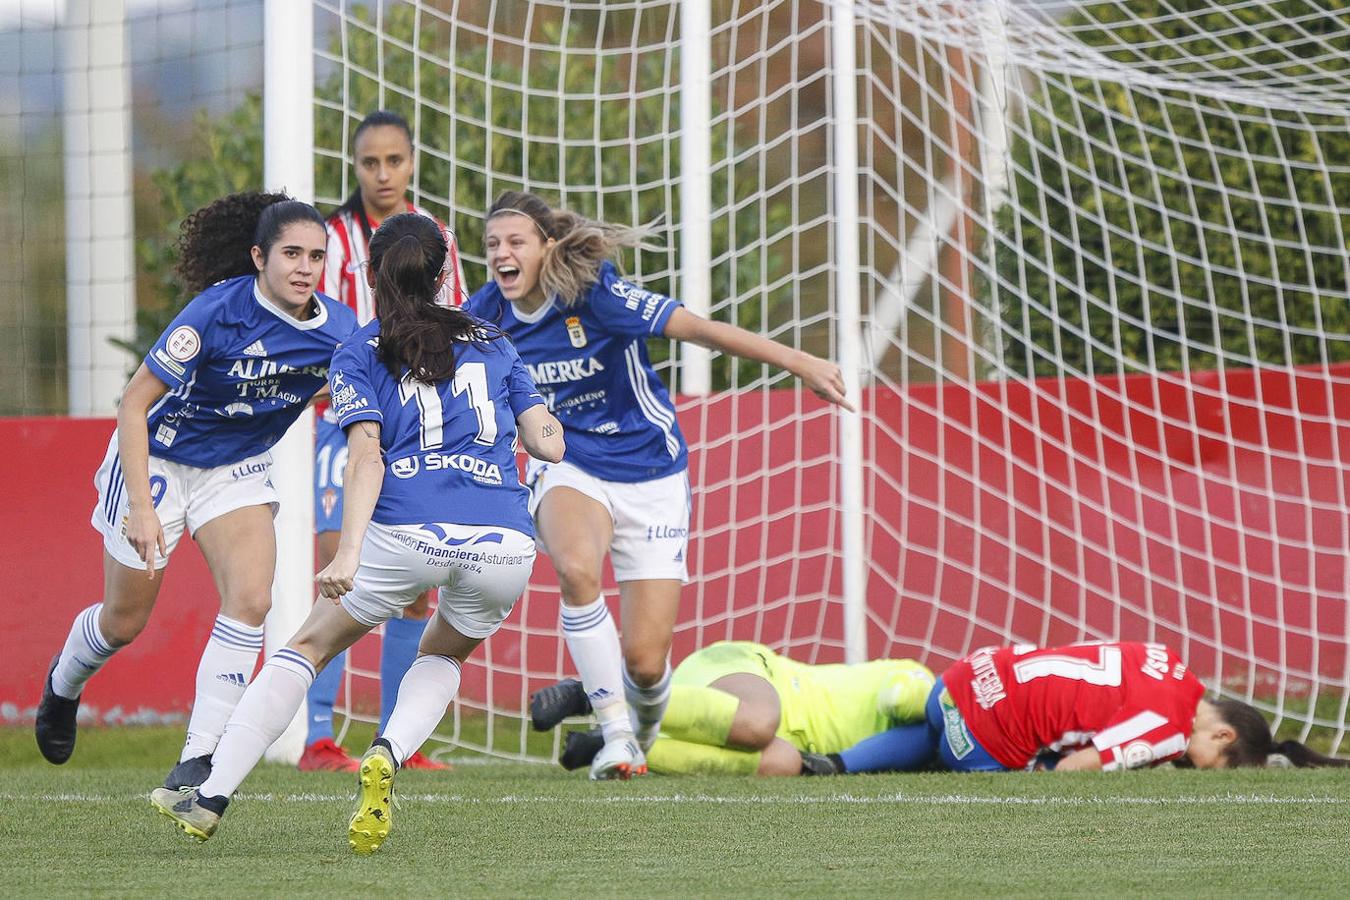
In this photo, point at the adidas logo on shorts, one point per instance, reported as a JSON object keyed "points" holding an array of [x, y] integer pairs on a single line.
{"points": [[255, 349], [233, 678]]}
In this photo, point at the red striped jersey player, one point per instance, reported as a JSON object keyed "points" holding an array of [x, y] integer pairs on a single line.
{"points": [[1086, 706]]}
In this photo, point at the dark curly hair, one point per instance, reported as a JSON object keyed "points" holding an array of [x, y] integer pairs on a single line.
{"points": [[215, 242], [407, 255]]}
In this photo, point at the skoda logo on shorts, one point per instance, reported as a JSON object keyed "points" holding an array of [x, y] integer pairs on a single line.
{"points": [[406, 467]]}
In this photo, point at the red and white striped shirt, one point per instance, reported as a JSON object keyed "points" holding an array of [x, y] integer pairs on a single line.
{"points": [[344, 269], [344, 275], [1134, 702]]}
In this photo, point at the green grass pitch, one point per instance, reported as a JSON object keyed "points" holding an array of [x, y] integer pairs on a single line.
{"points": [[496, 829]]}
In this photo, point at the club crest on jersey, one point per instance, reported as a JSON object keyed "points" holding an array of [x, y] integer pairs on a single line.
{"points": [[1138, 754], [575, 331]]}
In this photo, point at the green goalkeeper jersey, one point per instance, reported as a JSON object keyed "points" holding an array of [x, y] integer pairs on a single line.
{"points": [[825, 708]]}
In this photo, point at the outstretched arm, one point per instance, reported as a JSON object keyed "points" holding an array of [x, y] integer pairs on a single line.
{"points": [[820, 375], [362, 480]]}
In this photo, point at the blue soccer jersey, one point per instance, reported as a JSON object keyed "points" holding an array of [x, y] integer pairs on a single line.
{"points": [[240, 371], [590, 363], [449, 447]]}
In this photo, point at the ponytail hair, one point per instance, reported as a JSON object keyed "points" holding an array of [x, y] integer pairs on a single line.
{"points": [[1254, 745], [1301, 756], [581, 245], [215, 242], [417, 335]]}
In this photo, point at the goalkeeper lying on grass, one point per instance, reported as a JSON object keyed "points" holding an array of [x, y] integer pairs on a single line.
{"points": [[1094, 706], [739, 708]]}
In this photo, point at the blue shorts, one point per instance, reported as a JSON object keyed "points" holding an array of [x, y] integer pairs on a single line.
{"points": [[957, 747], [330, 458]]}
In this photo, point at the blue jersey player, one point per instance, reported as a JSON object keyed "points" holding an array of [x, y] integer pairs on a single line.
{"points": [[382, 151], [622, 488], [217, 389], [432, 400]]}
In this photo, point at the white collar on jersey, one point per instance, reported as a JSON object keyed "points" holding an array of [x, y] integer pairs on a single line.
{"points": [[532, 317], [307, 325]]}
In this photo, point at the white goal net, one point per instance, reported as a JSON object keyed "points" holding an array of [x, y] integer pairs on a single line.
{"points": [[1105, 310]]}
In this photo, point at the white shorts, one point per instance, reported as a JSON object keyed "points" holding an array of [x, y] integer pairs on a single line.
{"points": [[184, 496], [481, 571], [651, 518]]}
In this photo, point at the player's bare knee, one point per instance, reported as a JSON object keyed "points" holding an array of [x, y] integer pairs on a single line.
{"points": [[120, 630], [250, 609], [754, 727], [647, 670], [579, 583]]}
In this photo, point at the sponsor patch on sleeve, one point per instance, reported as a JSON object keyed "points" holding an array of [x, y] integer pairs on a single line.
{"points": [[168, 363]]}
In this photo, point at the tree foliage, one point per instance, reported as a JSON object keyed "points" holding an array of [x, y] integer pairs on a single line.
{"points": [[1148, 229], [492, 122], [230, 160]]}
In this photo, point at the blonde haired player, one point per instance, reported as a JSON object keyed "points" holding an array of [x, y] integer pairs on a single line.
{"points": [[623, 489]]}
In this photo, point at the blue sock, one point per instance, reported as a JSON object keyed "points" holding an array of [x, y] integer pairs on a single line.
{"points": [[401, 637], [321, 697], [904, 748]]}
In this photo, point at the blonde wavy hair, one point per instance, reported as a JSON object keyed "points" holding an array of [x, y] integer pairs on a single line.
{"points": [[572, 265]]}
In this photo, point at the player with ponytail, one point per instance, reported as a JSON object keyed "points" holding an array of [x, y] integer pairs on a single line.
{"points": [[432, 400], [1253, 745], [383, 158], [623, 489], [1082, 707]]}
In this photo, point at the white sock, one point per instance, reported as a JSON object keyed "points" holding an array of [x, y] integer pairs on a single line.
{"points": [[267, 707], [222, 676], [425, 692], [648, 705], [593, 642], [85, 652]]}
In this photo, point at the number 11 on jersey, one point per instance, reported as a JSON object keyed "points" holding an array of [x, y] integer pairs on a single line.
{"points": [[470, 379]]}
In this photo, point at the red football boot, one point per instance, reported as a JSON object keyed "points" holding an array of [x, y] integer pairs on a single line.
{"points": [[325, 755]]}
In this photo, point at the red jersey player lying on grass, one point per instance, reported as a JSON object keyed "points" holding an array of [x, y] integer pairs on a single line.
{"points": [[1084, 707]]}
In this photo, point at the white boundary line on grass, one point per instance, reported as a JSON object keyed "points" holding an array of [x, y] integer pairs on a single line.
{"points": [[762, 800]]}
